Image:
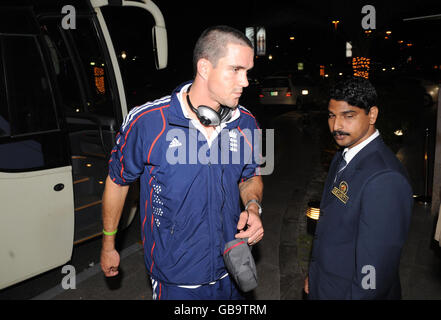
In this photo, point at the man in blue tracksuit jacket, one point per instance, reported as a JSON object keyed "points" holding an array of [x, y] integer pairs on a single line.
{"points": [[195, 155]]}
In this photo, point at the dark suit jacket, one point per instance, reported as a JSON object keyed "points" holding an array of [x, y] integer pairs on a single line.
{"points": [[357, 244]]}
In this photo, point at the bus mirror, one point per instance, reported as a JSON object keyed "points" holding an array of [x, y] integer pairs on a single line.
{"points": [[160, 46]]}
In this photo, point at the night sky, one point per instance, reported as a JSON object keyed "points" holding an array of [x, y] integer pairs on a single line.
{"points": [[316, 41]]}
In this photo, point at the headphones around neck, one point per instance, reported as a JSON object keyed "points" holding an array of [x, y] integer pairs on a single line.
{"points": [[209, 117]]}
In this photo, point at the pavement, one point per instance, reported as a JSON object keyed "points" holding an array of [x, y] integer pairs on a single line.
{"points": [[282, 257]]}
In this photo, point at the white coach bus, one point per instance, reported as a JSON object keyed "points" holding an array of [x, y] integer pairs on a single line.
{"points": [[62, 99]]}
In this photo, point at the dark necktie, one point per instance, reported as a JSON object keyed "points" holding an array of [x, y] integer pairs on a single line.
{"points": [[341, 166]]}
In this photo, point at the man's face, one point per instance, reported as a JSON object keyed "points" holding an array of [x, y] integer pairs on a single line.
{"points": [[350, 125], [227, 80]]}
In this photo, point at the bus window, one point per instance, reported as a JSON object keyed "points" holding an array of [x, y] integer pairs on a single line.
{"points": [[78, 61], [29, 133], [83, 80], [5, 126], [32, 108]]}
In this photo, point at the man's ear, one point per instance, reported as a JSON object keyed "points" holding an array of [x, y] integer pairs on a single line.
{"points": [[373, 114], [203, 68]]}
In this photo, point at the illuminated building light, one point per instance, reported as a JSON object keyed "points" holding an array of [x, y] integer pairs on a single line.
{"points": [[313, 213], [99, 80], [361, 66], [322, 71]]}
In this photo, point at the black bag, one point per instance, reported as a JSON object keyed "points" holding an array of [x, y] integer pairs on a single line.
{"points": [[240, 264]]}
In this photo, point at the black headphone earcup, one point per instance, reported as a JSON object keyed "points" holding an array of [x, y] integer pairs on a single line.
{"points": [[204, 120]]}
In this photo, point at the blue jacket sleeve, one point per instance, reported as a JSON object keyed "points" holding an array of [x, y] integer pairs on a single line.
{"points": [[382, 231], [252, 153], [252, 139], [127, 159]]}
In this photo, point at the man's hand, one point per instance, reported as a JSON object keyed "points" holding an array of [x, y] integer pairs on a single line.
{"points": [[250, 189], [306, 287], [251, 219], [110, 262]]}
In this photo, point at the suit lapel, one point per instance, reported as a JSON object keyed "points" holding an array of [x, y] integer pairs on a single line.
{"points": [[350, 171], [373, 146], [330, 179]]}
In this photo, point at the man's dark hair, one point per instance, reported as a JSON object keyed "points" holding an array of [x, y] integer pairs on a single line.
{"points": [[356, 91], [212, 44]]}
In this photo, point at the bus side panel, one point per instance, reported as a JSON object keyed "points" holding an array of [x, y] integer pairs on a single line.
{"points": [[36, 234]]}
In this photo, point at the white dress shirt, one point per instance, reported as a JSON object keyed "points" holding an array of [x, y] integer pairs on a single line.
{"points": [[350, 153]]}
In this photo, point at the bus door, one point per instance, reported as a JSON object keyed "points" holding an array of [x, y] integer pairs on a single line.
{"points": [[93, 101], [90, 104]]}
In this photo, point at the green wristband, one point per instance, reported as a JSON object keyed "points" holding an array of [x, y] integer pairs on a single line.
{"points": [[110, 233]]}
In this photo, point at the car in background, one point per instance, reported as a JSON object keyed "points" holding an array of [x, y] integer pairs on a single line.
{"points": [[297, 90], [309, 94], [277, 90]]}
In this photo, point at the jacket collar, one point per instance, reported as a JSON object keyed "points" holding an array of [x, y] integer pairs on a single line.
{"points": [[178, 114], [369, 148]]}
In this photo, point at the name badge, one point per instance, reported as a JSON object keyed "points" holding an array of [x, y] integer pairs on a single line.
{"points": [[341, 191]]}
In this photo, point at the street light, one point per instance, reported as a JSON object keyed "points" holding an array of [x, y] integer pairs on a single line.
{"points": [[335, 23], [312, 215]]}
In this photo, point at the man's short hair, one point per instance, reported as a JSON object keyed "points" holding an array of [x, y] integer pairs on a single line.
{"points": [[212, 44], [356, 91]]}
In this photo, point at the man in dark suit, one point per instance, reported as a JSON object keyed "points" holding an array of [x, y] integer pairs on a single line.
{"points": [[365, 208]]}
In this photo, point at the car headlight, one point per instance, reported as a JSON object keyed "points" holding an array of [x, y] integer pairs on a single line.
{"points": [[305, 92]]}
